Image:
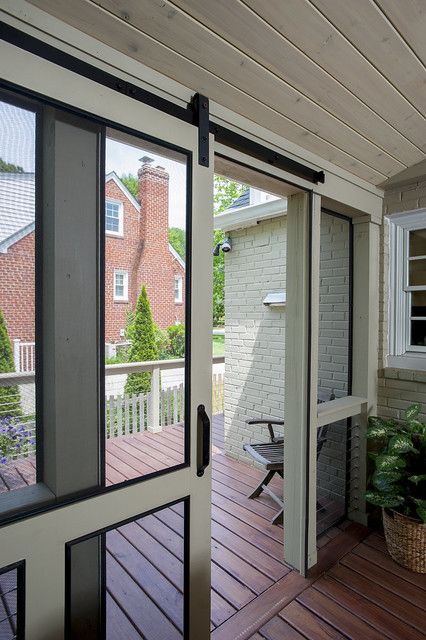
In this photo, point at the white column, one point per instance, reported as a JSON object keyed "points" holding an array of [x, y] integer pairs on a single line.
{"points": [[365, 354], [17, 354], [154, 414], [301, 380], [71, 393]]}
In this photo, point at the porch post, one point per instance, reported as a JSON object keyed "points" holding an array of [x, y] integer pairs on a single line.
{"points": [[365, 354], [72, 395], [70, 314], [155, 397], [301, 380], [17, 354]]}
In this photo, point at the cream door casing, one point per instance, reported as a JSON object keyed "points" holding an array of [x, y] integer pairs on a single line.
{"points": [[40, 540]]}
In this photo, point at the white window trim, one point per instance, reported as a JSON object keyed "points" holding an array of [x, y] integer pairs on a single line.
{"points": [[120, 231], [179, 298], [125, 296], [401, 353]]}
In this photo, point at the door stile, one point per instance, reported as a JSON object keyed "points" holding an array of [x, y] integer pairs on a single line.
{"points": [[201, 377], [40, 538], [301, 367]]}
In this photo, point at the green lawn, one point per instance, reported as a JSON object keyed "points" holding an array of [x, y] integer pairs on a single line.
{"points": [[218, 345]]}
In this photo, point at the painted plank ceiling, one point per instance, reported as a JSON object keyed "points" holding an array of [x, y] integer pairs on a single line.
{"points": [[345, 80]]}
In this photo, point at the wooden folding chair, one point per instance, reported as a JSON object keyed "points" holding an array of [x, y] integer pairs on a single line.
{"points": [[271, 456]]}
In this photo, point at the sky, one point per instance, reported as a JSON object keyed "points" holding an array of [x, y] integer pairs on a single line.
{"points": [[17, 146], [17, 136], [123, 158]]}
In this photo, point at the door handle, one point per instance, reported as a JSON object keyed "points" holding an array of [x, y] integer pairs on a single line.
{"points": [[203, 440]]}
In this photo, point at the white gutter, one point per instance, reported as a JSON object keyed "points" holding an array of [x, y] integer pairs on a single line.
{"points": [[249, 216]]}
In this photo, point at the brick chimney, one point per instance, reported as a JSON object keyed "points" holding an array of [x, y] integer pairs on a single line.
{"points": [[154, 199]]}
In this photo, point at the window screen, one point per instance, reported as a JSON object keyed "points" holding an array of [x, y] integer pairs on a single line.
{"points": [[12, 603], [18, 247], [130, 580]]}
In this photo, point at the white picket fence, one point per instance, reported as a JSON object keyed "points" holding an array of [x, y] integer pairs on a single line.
{"points": [[24, 355], [217, 393], [125, 414]]}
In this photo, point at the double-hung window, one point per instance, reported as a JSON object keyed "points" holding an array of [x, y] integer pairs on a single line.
{"points": [[408, 290], [178, 289], [114, 217], [121, 285]]}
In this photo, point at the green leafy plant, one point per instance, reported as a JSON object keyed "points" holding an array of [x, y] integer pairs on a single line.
{"points": [[177, 238], [176, 334], [162, 341], [143, 347], [8, 167], [399, 454], [131, 183], [10, 398], [225, 192]]}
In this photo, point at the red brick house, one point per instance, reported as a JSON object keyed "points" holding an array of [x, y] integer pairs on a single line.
{"points": [[137, 251]]}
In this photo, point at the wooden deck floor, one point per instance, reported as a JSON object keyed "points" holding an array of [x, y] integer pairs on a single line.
{"points": [[357, 591]]}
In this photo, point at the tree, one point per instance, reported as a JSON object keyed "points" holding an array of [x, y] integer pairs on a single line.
{"points": [[177, 239], [8, 167], [225, 192], [10, 399], [144, 346], [131, 183]]}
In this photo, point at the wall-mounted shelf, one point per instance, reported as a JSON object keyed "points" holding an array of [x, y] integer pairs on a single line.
{"points": [[340, 409], [276, 299]]}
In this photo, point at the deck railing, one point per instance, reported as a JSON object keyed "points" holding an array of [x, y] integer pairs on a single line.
{"points": [[124, 414], [24, 355]]}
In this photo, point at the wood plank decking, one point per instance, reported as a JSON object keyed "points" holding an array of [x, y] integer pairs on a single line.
{"points": [[357, 591]]}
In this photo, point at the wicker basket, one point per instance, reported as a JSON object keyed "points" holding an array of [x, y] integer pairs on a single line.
{"points": [[406, 540]]}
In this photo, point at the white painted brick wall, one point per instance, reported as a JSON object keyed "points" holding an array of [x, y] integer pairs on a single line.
{"points": [[254, 333], [255, 336], [398, 388], [334, 306]]}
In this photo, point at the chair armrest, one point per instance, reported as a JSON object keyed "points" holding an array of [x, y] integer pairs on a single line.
{"points": [[271, 421]]}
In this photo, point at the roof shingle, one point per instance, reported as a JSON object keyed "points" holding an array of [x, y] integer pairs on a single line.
{"points": [[16, 202]]}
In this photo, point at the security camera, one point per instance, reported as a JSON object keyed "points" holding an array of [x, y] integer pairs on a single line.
{"points": [[226, 245]]}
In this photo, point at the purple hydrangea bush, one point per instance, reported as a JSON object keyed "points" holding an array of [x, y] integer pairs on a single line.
{"points": [[15, 438]]}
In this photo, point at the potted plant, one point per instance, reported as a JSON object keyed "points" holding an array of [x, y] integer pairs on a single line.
{"points": [[398, 485]]}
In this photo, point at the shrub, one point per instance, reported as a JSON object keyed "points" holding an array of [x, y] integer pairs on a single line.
{"points": [[162, 342], [143, 347], [161, 338], [176, 335], [399, 478], [10, 399]]}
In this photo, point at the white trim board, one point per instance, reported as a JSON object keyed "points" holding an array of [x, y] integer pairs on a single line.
{"points": [[249, 216], [339, 409], [400, 352], [114, 177], [15, 237], [176, 256]]}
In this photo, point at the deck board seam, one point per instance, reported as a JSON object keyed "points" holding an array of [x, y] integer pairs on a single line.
{"points": [[141, 587]]}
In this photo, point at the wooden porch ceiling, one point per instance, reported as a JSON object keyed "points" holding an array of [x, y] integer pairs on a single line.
{"points": [[345, 80]]}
